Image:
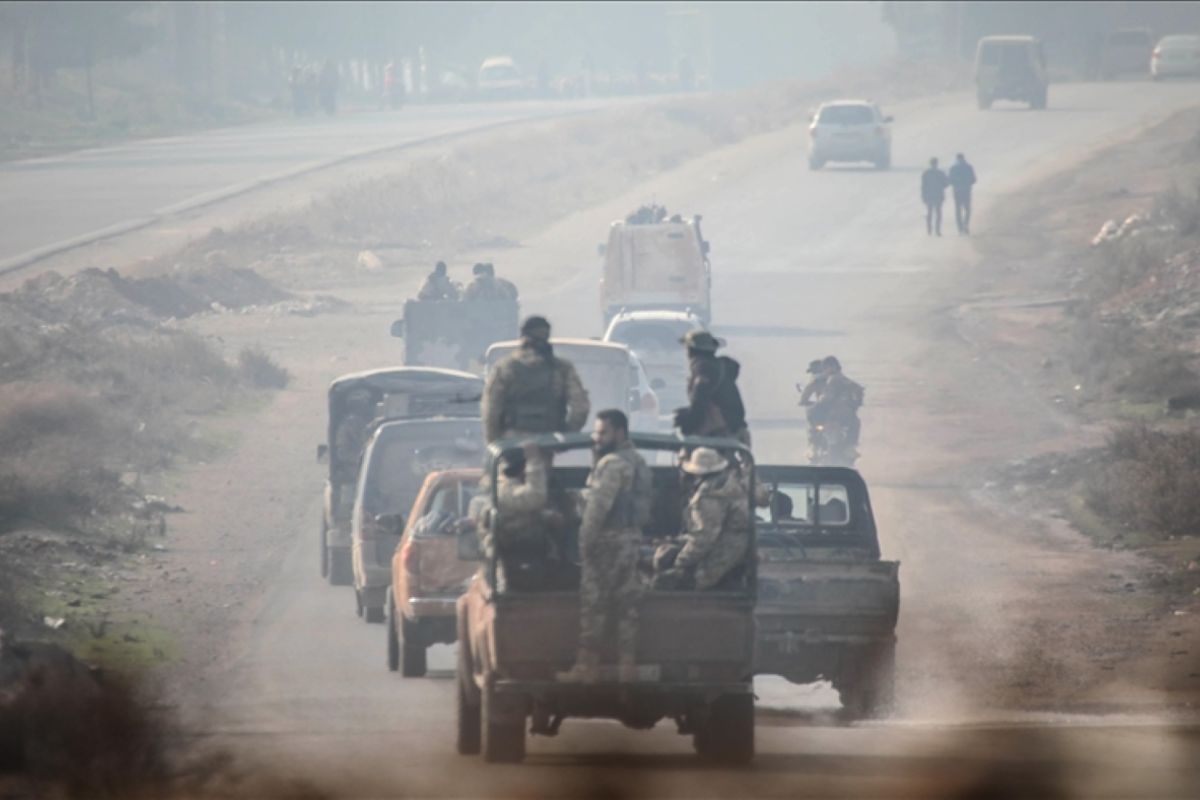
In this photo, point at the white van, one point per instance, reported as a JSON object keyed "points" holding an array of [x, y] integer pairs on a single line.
{"points": [[660, 265]]}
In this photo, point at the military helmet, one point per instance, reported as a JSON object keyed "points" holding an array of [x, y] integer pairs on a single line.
{"points": [[814, 366], [479, 269], [440, 268], [704, 461], [831, 362], [702, 341]]}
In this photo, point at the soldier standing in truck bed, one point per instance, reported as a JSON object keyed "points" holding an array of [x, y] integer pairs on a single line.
{"points": [[533, 391]]}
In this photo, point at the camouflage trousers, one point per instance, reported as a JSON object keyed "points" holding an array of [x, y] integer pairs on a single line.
{"points": [[609, 591]]}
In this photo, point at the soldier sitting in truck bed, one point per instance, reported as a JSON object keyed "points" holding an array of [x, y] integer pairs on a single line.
{"points": [[531, 526], [716, 527]]}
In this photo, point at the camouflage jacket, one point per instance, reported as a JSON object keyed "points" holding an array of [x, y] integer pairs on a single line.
{"points": [[553, 401], [618, 500], [523, 504], [486, 287], [438, 287], [716, 528]]}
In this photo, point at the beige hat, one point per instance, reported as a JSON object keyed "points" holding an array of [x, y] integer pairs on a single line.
{"points": [[704, 461]]}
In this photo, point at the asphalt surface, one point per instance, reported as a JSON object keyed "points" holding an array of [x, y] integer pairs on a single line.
{"points": [[51, 204], [805, 264]]}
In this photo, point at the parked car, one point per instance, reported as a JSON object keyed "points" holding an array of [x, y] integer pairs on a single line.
{"points": [[827, 603], [1126, 52], [500, 79], [655, 338], [392, 393], [427, 575], [398, 458], [1011, 68], [1175, 56], [849, 130]]}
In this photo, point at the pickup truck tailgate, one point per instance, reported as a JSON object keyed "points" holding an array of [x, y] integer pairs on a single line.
{"points": [[829, 598], [690, 634]]}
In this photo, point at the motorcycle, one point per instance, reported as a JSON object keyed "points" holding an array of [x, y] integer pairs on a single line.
{"points": [[829, 443]]}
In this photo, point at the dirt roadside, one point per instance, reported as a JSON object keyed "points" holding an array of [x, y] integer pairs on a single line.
{"points": [[1038, 267]]}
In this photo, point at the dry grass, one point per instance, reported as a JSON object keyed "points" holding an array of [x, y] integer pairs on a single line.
{"points": [[1149, 482], [261, 371]]}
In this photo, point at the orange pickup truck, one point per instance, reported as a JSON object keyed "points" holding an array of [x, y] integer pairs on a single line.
{"points": [[427, 575]]}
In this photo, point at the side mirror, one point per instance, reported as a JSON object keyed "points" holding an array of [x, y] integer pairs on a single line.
{"points": [[392, 524], [889, 119], [322, 454], [601, 249], [397, 328], [658, 384], [468, 544]]}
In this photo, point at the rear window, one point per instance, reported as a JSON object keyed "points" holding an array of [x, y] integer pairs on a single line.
{"points": [[646, 336], [806, 504], [1130, 38], [847, 115], [398, 468]]}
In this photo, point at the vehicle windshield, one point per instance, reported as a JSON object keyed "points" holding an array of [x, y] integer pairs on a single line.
{"points": [[846, 115], [652, 336]]}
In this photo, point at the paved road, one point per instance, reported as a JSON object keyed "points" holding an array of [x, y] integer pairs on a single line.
{"points": [[46, 203], [805, 264]]}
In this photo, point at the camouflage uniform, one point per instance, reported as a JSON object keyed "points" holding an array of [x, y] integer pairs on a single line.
{"points": [[529, 394], [617, 505], [438, 286], [487, 287], [716, 528], [521, 505]]}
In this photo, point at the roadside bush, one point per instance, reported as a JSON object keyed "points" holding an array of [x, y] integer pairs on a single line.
{"points": [[261, 371], [1149, 482], [1180, 210]]}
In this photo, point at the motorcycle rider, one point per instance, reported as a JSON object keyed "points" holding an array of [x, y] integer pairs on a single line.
{"points": [[839, 401]]}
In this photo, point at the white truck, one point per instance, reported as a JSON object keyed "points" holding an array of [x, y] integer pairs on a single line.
{"points": [[656, 265]]}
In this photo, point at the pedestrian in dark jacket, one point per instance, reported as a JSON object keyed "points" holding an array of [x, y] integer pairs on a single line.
{"points": [[962, 178], [933, 195], [715, 404]]}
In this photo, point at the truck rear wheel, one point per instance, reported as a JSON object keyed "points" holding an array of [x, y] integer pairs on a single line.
{"points": [[393, 638], [503, 729], [868, 689], [470, 733], [412, 648], [341, 571], [728, 735]]}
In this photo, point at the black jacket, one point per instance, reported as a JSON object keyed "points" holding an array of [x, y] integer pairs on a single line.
{"points": [[712, 380]]}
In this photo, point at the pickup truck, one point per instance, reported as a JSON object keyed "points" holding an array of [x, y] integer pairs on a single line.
{"points": [[695, 650], [827, 603], [427, 576]]}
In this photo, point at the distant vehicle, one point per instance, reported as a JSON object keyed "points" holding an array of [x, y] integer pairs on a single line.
{"points": [[1127, 52], [454, 333], [1011, 68], [827, 604], [1175, 56], [694, 648], [610, 373], [849, 130], [500, 79], [659, 265], [427, 576], [654, 337], [395, 393], [398, 458]]}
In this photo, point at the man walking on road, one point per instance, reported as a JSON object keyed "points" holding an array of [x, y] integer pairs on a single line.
{"points": [[933, 195], [962, 178]]}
